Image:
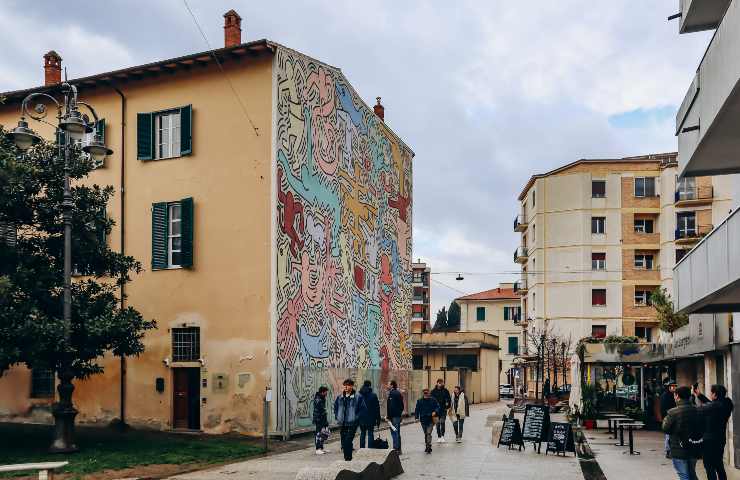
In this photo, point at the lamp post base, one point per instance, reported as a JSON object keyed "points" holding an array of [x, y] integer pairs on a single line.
{"points": [[64, 429]]}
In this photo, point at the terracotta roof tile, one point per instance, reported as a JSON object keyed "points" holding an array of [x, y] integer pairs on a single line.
{"points": [[493, 294]]}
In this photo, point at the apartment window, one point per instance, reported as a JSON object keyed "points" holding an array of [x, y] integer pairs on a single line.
{"points": [[686, 224], [42, 383], [598, 331], [513, 346], [644, 186], [534, 233], [512, 313], [598, 297], [680, 253], [164, 134], [186, 344], [598, 225], [645, 333], [644, 225], [480, 314], [417, 362], [172, 234], [533, 198], [598, 188], [686, 188], [534, 302], [418, 315], [642, 296], [598, 261], [643, 261]]}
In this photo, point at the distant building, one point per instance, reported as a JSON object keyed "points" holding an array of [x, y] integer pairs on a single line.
{"points": [[421, 300]]}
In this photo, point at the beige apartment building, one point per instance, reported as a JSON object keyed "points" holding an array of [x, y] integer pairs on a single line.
{"points": [[295, 198], [497, 312], [599, 235]]}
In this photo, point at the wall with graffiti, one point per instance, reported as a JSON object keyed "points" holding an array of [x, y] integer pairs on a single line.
{"points": [[343, 296]]}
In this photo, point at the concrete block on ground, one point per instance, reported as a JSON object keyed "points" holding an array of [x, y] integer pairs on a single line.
{"points": [[366, 464], [496, 431]]}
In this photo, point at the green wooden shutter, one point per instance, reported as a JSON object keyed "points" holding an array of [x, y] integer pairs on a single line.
{"points": [[159, 235], [186, 130], [144, 136], [61, 137], [506, 313], [100, 129], [186, 209]]}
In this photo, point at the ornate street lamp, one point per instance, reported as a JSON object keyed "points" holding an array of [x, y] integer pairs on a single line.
{"points": [[75, 125]]}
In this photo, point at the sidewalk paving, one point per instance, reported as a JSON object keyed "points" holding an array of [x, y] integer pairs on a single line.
{"points": [[650, 464], [475, 458]]}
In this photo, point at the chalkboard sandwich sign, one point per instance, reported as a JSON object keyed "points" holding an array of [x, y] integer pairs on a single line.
{"points": [[536, 424], [511, 434], [560, 439]]}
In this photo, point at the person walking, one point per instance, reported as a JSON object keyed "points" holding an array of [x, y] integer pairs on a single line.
{"points": [[394, 412], [346, 412], [369, 414], [715, 412], [320, 418], [666, 403], [442, 396], [458, 412], [684, 427], [427, 411]]}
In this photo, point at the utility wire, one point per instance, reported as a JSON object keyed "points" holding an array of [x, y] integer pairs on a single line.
{"points": [[451, 288], [220, 67]]}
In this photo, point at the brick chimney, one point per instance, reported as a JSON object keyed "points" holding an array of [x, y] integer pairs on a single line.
{"points": [[379, 110], [232, 29], [52, 68]]}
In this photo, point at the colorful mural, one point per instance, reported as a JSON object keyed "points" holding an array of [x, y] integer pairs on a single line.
{"points": [[344, 227]]}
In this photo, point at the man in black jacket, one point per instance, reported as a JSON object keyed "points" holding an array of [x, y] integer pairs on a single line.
{"points": [[684, 427], [443, 398], [715, 414], [666, 403], [320, 418], [369, 414], [394, 412], [426, 411]]}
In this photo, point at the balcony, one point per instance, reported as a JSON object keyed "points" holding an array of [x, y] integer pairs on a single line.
{"points": [[698, 15], [520, 255], [521, 286], [707, 279], [692, 197], [420, 300], [520, 223], [685, 236], [706, 122]]}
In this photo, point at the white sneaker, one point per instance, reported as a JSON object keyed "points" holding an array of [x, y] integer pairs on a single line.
{"points": [[442, 440], [320, 452]]}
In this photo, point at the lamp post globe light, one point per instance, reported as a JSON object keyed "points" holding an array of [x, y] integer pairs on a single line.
{"points": [[75, 125]]}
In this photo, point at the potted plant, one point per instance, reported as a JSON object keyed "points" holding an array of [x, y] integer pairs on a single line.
{"points": [[588, 408]]}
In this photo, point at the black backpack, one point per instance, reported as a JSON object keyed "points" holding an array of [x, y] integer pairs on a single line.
{"points": [[694, 441], [379, 444]]}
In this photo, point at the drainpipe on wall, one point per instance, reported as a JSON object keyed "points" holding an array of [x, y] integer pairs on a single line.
{"points": [[122, 194]]}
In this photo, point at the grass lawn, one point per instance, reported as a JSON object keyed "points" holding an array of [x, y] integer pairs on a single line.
{"points": [[106, 449]]}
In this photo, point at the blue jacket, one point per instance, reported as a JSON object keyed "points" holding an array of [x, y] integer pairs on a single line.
{"points": [[369, 408], [424, 409], [347, 408], [394, 407]]}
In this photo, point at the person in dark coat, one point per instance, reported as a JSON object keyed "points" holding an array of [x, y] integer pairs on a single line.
{"points": [[346, 412], [666, 403], [426, 411], [715, 412], [443, 398], [683, 424], [320, 418], [394, 412], [369, 414]]}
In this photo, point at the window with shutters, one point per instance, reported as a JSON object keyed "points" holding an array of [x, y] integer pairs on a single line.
{"points": [[645, 333], [42, 383], [644, 261], [513, 346], [644, 186], [598, 297], [164, 134], [186, 344], [598, 261], [598, 225], [480, 314], [598, 331], [172, 234], [644, 225], [598, 188], [512, 313]]}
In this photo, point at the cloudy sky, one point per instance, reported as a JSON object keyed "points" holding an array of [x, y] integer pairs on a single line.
{"points": [[487, 93]]}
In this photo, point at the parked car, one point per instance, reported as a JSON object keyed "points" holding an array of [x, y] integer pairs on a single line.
{"points": [[506, 391]]}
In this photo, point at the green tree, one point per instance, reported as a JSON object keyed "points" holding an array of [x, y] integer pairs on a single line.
{"points": [[669, 319], [440, 324], [453, 317], [32, 330]]}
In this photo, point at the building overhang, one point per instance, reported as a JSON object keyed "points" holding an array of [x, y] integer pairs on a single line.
{"points": [[454, 340], [698, 15]]}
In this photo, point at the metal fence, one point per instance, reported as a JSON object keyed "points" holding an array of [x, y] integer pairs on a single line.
{"points": [[297, 386]]}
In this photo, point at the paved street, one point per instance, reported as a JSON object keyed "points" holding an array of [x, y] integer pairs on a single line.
{"points": [[475, 458]]}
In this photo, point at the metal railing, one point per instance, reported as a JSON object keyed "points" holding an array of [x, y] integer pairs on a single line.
{"points": [[520, 223], [695, 193], [520, 253], [693, 233]]}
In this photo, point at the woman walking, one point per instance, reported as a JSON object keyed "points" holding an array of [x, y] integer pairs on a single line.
{"points": [[458, 411]]}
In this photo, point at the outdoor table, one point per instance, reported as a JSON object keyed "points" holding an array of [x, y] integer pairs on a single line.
{"points": [[618, 425], [616, 420], [609, 418], [631, 426]]}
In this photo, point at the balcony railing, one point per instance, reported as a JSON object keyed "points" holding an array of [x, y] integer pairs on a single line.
{"points": [[520, 286], [687, 235], [520, 223], [520, 254], [421, 299], [694, 196]]}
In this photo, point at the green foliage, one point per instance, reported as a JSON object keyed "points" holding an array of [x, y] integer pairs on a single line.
{"points": [[440, 323], [621, 339], [588, 398], [453, 316], [669, 319], [32, 330]]}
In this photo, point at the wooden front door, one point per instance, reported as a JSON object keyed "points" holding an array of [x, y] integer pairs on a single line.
{"points": [[186, 393]]}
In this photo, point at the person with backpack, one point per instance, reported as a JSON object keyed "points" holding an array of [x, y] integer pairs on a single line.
{"points": [[320, 419], [427, 412], [442, 396], [458, 411], [684, 427], [394, 412], [667, 402], [346, 412], [715, 411], [369, 414]]}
